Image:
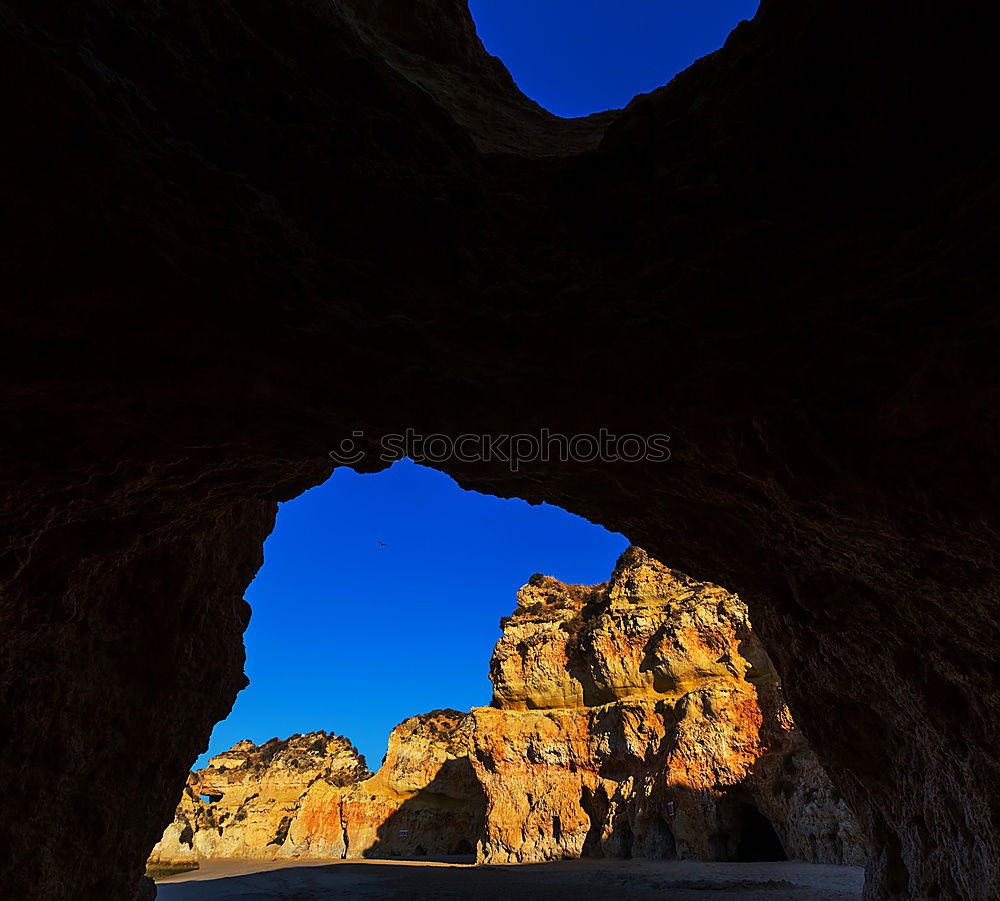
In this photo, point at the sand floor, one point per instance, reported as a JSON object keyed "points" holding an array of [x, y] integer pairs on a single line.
{"points": [[576, 880]]}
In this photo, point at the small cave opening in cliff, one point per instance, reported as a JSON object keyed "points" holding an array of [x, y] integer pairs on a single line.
{"points": [[757, 839], [464, 848], [745, 834], [625, 841]]}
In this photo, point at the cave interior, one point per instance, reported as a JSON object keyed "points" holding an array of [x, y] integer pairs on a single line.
{"points": [[237, 238]]}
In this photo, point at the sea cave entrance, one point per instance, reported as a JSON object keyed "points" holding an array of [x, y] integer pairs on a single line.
{"points": [[374, 618], [387, 716], [380, 597]]}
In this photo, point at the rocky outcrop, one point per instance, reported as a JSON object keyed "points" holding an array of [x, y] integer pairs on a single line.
{"points": [[642, 718], [425, 798], [248, 801], [238, 233], [311, 796]]}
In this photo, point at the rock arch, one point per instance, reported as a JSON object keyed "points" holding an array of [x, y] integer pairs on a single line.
{"points": [[237, 239]]}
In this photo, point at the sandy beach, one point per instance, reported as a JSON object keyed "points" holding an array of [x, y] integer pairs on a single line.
{"points": [[244, 880]]}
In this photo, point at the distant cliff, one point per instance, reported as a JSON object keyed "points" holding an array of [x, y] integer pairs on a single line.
{"points": [[246, 802], [643, 718], [640, 717], [311, 796]]}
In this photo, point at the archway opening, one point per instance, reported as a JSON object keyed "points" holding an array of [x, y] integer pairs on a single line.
{"points": [[374, 629], [359, 575]]}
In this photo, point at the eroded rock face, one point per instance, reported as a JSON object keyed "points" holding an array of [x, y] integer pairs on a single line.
{"points": [[237, 235], [248, 801], [642, 718], [311, 796], [425, 798]]}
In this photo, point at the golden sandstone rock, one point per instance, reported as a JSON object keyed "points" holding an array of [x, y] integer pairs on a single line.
{"points": [[425, 798], [639, 717], [313, 797], [643, 718], [245, 802]]}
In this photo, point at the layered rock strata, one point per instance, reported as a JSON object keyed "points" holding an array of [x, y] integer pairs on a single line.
{"points": [[249, 800], [311, 796], [643, 718]]}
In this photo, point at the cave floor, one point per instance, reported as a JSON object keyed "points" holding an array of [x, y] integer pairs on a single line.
{"points": [[242, 880]]}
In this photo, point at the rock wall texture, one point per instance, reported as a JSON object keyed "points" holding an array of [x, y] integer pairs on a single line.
{"points": [[248, 801], [236, 234], [642, 718], [311, 796], [425, 798]]}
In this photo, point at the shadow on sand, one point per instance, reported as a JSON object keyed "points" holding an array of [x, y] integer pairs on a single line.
{"points": [[634, 880]]}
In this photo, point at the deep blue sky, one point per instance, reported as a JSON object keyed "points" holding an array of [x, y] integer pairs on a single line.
{"points": [[352, 637], [579, 56]]}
